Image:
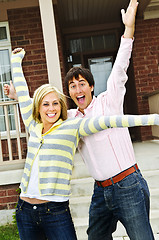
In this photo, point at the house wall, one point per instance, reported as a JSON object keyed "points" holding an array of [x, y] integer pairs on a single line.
{"points": [[8, 196], [26, 32], [146, 65]]}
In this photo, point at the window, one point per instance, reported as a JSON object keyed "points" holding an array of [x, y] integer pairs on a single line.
{"points": [[92, 43], [95, 52], [5, 74]]}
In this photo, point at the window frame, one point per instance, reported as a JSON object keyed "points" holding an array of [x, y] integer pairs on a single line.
{"points": [[8, 41], [6, 45]]}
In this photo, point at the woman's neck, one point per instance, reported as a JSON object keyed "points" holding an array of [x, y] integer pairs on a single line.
{"points": [[46, 128]]}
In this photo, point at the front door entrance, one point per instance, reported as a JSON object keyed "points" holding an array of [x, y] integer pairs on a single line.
{"points": [[101, 68]]}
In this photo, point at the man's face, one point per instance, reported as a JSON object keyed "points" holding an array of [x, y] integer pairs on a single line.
{"points": [[80, 92]]}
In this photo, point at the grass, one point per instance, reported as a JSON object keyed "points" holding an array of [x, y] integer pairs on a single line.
{"points": [[9, 232]]}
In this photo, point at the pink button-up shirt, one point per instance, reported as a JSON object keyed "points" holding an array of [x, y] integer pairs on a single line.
{"points": [[109, 152]]}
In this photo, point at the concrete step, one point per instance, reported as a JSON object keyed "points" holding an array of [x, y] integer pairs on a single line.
{"points": [[80, 210], [152, 178], [82, 186], [147, 154], [81, 225], [154, 219], [80, 206], [154, 198], [126, 238], [148, 163], [79, 170]]}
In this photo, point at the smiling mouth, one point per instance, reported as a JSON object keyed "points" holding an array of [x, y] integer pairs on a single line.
{"points": [[51, 115], [81, 99]]}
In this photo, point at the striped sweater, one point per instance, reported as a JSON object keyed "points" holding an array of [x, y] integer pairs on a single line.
{"points": [[56, 148]]}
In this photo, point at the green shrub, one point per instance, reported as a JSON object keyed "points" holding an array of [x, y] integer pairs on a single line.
{"points": [[9, 232], [14, 214]]}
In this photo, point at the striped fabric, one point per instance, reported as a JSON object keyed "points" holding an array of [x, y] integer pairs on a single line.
{"points": [[56, 148]]}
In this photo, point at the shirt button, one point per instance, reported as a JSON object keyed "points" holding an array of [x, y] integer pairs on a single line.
{"points": [[34, 207]]}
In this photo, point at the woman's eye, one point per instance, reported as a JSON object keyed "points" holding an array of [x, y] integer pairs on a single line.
{"points": [[45, 104]]}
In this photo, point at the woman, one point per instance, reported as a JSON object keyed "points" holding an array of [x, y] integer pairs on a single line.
{"points": [[43, 207]]}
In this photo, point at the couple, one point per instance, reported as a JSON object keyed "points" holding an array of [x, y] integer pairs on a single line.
{"points": [[120, 192]]}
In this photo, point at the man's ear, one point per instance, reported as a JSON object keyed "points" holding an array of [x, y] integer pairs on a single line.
{"points": [[92, 88]]}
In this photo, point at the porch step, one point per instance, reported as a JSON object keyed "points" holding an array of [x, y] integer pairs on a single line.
{"points": [[80, 170], [82, 189], [82, 223], [80, 206], [80, 209], [154, 198], [82, 186], [152, 177]]}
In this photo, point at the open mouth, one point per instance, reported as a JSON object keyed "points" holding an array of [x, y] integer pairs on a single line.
{"points": [[81, 99]]}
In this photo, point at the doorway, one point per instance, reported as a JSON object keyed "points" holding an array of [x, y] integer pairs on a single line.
{"points": [[101, 65], [100, 68]]}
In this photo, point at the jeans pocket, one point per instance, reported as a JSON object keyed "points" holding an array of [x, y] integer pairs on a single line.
{"points": [[58, 210], [129, 182]]}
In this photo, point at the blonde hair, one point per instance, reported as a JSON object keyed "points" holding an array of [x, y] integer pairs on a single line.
{"points": [[40, 93]]}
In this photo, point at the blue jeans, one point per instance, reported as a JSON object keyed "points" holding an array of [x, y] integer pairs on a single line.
{"points": [[51, 221], [126, 201]]}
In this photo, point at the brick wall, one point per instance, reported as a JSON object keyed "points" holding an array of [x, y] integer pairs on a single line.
{"points": [[8, 196], [26, 32], [146, 65]]}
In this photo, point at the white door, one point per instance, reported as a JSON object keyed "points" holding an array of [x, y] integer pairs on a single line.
{"points": [[101, 69]]}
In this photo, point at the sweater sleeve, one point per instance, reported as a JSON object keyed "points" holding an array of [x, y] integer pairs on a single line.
{"points": [[89, 126], [21, 87]]}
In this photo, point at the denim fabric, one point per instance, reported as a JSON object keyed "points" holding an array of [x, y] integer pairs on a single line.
{"points": [[126, 201], [51, 221]]}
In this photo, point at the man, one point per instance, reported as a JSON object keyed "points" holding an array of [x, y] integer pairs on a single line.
{"points": [[120, 192]]}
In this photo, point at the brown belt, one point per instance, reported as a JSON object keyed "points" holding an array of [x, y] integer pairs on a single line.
{"points": [[118, 177]]}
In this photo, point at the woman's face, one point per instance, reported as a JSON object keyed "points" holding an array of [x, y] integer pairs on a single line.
{"points": [[50, 109]]}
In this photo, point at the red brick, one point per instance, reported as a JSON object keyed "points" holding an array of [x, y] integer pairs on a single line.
{"points": [[3, 193], [3, 206], [12, 192], [12, 205]]}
